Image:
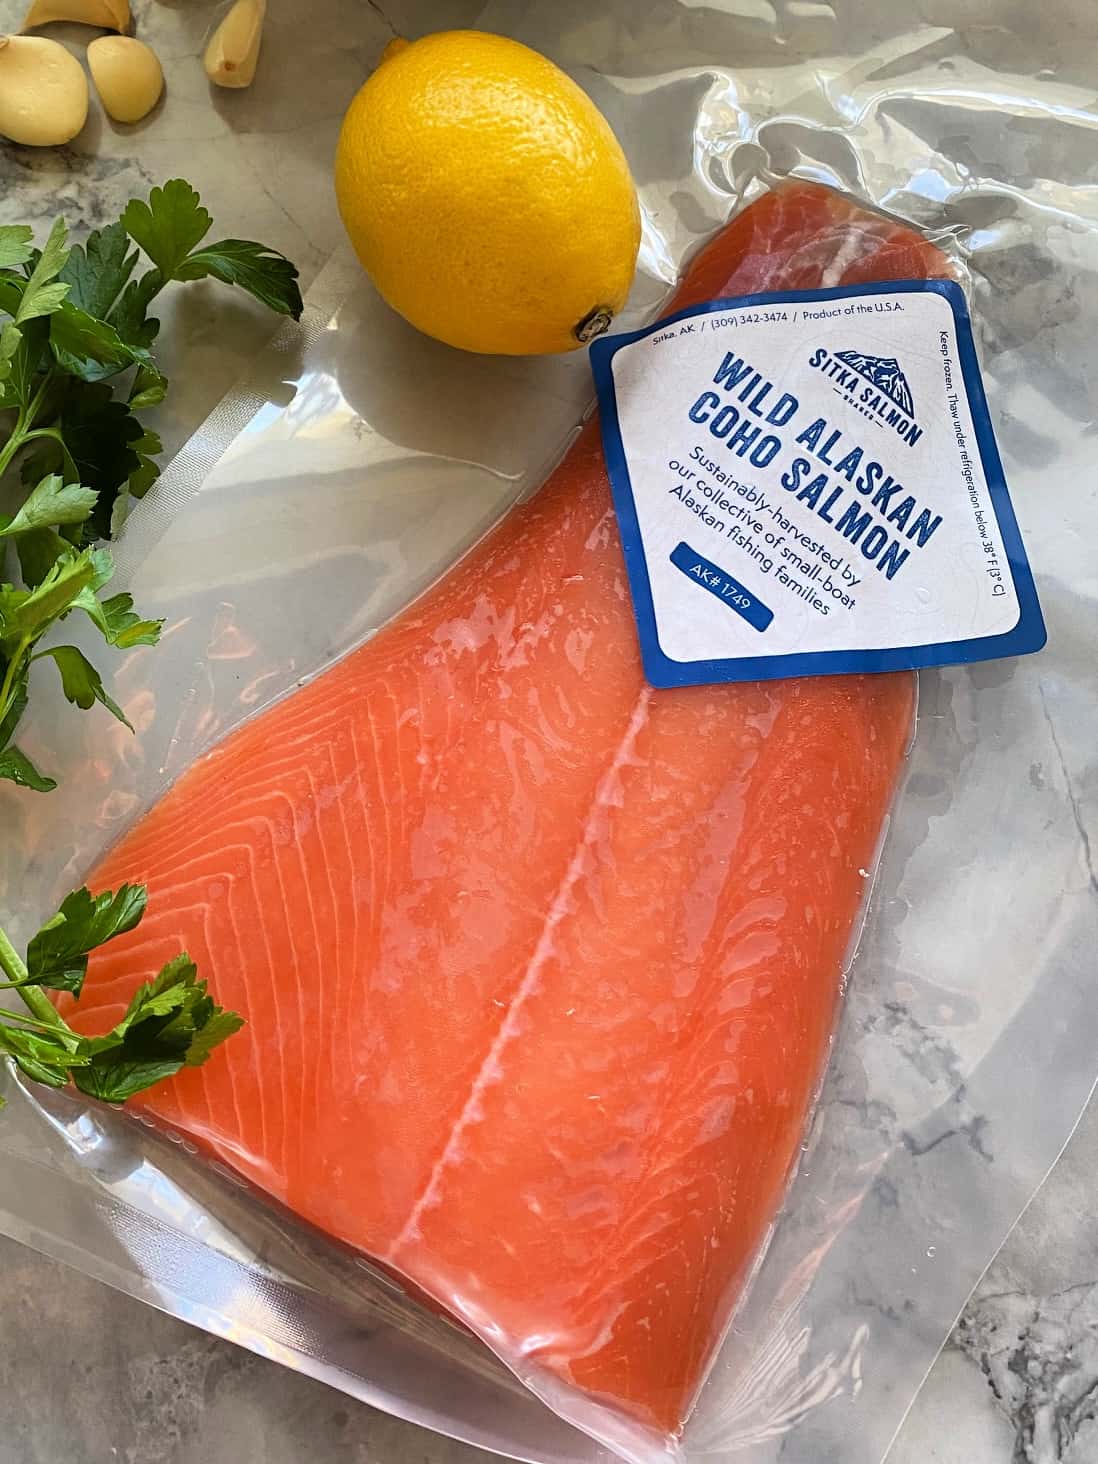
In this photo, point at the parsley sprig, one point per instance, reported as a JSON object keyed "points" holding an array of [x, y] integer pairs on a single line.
{"points": [[170, 1023], [76, 368]]}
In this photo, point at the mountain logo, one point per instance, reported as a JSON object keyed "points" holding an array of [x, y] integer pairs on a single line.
{"points": [[875, 386], [885, 374]]}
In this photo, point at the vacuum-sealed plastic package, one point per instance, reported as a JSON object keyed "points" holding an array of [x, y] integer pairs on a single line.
{"points": [[574, 944], [542, 964]]}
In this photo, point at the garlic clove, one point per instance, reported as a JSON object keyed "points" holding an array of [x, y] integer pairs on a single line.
{"points": [[43, 92], [110, 14], [234, 46], [127, 76]]}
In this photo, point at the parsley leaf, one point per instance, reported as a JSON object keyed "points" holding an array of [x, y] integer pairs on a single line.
{"points": [[90, 348], [57, 957], [43, 1059], [12, 287], [76, 370], [16, 767], [169, 226], [52, 503], [17, 705], [25, 614], [61, 580], [130, 317], [142, 479], [217, 1025], [149, 389], [11, 337], [15, 245], [38, 550], [116, 620], [26, 359], [97, 271], [170, 1023], [81, 682], [263, 272], [43, 292], [99, 431]]}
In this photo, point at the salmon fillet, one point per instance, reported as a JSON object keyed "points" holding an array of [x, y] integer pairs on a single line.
{"points": [[540, 965]]}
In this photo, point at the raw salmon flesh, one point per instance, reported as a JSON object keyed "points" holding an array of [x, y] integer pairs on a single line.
{"points": [[540, 965]]}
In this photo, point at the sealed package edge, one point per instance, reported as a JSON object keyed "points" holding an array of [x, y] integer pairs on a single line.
{"points": [[576, 845], [575, 944]]}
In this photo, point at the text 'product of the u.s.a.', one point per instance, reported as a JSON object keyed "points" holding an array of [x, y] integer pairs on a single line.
{"points": [[807, 482]]}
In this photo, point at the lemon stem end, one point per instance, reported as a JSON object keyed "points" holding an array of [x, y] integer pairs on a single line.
{"points": [[595, 323]]}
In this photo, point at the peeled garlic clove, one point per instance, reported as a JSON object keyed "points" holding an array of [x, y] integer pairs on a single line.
{"points": [[234, 46], [43, 92], [110, 14], [127, 76]]}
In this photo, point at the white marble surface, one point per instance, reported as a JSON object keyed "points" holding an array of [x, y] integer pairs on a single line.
{"points": [[88, 1376]]}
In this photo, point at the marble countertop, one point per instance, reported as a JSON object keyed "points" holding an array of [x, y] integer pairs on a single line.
{"points": [[89, 1376]]}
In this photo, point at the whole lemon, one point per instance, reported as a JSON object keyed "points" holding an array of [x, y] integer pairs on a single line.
{"points": [[486, 196]]}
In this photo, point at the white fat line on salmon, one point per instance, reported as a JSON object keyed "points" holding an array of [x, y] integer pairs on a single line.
{"points": [[606, 796], [850, 246]]}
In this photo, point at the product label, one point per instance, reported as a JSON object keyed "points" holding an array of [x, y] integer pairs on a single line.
{"points": [[807, 483]]}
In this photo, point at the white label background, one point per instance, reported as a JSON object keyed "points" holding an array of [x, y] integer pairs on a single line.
{"points": [[942, 593]]}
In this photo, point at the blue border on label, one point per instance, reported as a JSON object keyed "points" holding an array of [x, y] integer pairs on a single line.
{"points": [[1028, 634]]}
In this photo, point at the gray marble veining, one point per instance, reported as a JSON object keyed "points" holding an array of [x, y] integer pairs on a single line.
{"points": [[88, 1376], [1018, 1380]]}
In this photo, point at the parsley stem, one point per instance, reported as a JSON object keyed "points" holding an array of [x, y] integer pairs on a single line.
{"points": [[24, 428], [54, 432], [14, 442], [33, 997], [21, 1022], [10, 962], [15, 666], [35, 403]]}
